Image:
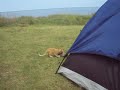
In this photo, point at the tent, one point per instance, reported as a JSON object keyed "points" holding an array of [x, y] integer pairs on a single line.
{"points": [[93, 61]]}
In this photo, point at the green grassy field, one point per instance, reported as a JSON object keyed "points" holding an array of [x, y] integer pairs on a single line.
{"points": [[20, 66]]}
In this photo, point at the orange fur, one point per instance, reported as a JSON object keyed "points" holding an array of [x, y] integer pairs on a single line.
{"points": [[53, 52]]}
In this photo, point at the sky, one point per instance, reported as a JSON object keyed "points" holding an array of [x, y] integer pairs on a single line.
{"points": [[17, 5]]}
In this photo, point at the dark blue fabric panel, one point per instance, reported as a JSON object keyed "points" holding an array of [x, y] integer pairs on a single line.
{"points": [[102, 33]]}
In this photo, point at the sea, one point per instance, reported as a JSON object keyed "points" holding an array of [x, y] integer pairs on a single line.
{"points": [[52, 11]]}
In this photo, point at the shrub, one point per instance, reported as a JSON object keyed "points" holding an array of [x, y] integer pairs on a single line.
{"points": [[49, 20], [7, 21]]}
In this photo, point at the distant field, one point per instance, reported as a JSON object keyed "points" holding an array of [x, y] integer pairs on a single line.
{"points": [[20, 66]]}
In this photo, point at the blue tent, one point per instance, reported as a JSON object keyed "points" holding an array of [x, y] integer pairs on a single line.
{"points": [[94, 57], [102, 33]]}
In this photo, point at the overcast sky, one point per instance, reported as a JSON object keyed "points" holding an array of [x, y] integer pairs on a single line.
{"points": [[16, 5]]}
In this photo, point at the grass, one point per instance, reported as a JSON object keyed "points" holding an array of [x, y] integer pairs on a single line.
{"points": [[20, 66]]}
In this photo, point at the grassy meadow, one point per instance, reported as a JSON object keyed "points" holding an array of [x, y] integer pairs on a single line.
{"points": [[20, 66]]}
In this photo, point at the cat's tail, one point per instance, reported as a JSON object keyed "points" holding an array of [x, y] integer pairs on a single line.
{"points": [[41, 55]]}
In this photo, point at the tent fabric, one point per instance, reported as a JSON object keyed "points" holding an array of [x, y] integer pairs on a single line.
{"points": [[101, 34], [83, 82], [100, 69]]}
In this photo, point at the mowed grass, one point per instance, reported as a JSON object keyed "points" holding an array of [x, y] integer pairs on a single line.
{"points": [[20, 66]]}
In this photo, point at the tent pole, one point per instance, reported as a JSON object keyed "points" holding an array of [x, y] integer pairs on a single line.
{"points": [[60, 64]]}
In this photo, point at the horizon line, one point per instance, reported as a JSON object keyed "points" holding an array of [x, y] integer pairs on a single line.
{"points": [[47, 9]]}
